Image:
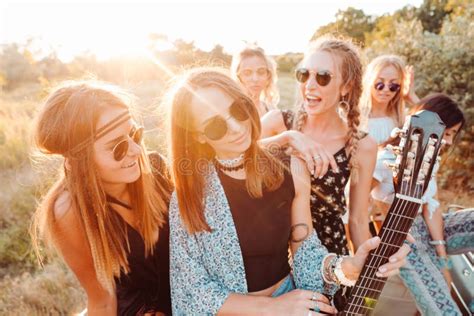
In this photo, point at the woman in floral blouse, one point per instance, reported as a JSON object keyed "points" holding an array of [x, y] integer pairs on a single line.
{"points": [[237, 209]]}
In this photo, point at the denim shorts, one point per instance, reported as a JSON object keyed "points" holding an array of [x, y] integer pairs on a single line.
{"points": [[286, 286]]}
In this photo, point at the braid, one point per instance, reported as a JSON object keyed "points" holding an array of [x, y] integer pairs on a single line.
{"points": [[353, 120], [351, 72], [300, 119]]}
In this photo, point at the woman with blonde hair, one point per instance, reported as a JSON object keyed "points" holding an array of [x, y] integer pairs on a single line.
{"points": [[256, 71], [387, 85], [237, 210], [107, 212], [330, 77]]}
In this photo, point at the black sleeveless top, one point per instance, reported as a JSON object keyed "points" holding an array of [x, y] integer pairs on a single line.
{"points": [[263, 227], [328, 201], [146, 287]]}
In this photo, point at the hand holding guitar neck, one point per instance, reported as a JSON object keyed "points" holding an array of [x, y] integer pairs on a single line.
{"points": [[417, 152]]}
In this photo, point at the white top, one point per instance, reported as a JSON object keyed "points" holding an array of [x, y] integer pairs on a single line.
{"points": [[385, 191], [379, 128]]}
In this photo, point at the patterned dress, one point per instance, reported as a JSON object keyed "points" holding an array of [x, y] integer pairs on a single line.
{"points": [[422, 273], [328, 202]]}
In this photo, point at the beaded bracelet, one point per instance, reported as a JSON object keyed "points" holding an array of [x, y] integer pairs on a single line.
{"points": [[339, 273], [326, 269], [332, 272]]}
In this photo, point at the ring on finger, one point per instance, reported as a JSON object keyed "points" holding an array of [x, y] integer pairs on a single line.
{"points": [[317, 157], [316, 307]]}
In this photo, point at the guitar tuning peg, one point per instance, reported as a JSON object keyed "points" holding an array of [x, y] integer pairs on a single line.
{"points": [[396, 132], [395, 149]]}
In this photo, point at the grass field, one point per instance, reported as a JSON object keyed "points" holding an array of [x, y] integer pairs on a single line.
{"points": [[26, 289]]}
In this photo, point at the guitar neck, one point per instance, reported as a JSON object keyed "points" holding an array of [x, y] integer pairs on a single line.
{"points": [[368, 287]]}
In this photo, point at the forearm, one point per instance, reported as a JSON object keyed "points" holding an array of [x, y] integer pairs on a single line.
{"points": [[106, 306], [359, 230], [280, 140], [436, 228], [245, 304], [412, 99]]}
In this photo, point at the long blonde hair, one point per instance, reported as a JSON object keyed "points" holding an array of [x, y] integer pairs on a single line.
{"points": [[350, 68], [270, 94], [396, 106], [68, 118], [190, 157]]}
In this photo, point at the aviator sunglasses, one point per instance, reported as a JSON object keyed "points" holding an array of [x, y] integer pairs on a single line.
{"points": [[120, 149], [323, 77], [217, 126], [393, 87]]}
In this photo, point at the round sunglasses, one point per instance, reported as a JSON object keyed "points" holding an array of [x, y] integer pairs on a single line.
{"points": [[393, 87], [217, 126], [120, 149], [323, 77]]}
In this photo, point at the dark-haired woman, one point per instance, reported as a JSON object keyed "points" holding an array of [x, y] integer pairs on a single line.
{"points": [[436, 234]]}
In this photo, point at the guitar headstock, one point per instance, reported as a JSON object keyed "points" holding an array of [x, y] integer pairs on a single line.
{"points": [[417, 153]]}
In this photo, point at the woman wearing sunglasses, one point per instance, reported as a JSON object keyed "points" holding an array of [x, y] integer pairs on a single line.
{"points": [[387, 85], [257, 73], [107, 211], [437, 233], [329, 80], [237, 209]]}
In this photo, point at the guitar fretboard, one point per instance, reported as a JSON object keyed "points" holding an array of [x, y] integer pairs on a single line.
{"points": [[393, 233]]}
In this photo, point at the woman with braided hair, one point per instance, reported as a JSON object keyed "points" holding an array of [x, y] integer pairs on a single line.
{"points": [[330, 82]]}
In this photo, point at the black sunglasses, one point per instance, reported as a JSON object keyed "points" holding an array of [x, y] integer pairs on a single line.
{"points": [[217, 126], [120, 149], [394, 87], [323, 77]]}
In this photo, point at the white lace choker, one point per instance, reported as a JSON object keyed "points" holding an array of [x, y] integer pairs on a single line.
{"points": [[231, 162]]}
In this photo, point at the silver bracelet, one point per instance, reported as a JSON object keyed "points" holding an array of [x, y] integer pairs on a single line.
{"points": [[437, 242]]}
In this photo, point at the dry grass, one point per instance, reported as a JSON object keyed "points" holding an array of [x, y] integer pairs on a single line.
{"points": [[24, 288]]}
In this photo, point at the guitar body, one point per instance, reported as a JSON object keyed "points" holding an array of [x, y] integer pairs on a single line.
{"points": [[419, 146]]}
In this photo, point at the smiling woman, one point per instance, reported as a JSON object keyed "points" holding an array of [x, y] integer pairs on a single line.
{"points": [[107, 213]]}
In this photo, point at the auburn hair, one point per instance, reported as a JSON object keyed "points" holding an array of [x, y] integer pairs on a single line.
{"points": [[69, 118], [190, 159]]}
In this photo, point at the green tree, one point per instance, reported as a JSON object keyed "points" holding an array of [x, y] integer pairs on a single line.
{"points": [[432, 13], [351, 22], [443, 62]]}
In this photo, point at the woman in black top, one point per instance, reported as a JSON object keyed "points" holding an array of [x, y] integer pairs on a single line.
{"points": [[107, 213]]}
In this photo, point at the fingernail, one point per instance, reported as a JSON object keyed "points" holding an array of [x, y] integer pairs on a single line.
{"points": [[378, 274], [320, 177], [393, 259], [382, 269]]}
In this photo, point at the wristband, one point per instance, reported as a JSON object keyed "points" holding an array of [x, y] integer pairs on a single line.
{"points": [[341, 277], [437, 242]]}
